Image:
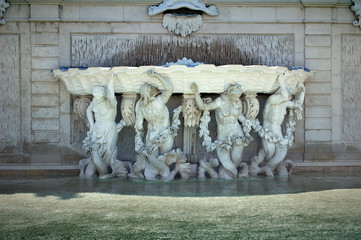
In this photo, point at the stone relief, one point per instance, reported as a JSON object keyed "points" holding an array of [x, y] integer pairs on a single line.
{"points": [[179, 21], [80, 122], [356, 7], [3, 6], [236, 109]]}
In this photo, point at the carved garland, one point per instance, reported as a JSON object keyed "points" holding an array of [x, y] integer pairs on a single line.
{"points": [[293, 115], [227, 145], [170, 131]]}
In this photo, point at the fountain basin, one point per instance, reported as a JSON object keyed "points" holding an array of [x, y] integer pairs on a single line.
{"points": [[209, 78]]}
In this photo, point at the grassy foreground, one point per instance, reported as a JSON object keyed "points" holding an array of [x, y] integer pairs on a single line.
{"points": [[333, 214]]}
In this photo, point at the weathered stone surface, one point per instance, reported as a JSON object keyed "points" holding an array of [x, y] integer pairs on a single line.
{"points": [[45, 124], [45, 112], [45, 100], [10, 109], [351, 78], [133, 50], [39, 88], [45, 136]]}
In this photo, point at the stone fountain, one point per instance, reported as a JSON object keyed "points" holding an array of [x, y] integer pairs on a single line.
{"points": [[236, 110]]}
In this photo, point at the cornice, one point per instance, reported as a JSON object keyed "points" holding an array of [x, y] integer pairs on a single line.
{"points": [[306, 3]]}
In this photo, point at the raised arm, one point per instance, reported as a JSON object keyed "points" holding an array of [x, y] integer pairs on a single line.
{"points": [[168, 86], [283, 94], [300, 97], [200, 104], [110, 90]]}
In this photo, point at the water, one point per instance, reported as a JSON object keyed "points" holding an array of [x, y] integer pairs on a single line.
{"points": [[69, 187]]}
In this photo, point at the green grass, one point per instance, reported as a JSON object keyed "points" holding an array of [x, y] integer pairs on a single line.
{"points": [[333, 214]]}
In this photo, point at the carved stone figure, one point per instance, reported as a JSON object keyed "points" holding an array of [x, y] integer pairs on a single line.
{"points": [[183, 23], [231, 136], [102, 137], [156, 155], [274, 144]]}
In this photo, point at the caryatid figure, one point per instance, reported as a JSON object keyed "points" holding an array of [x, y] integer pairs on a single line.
{"points": [[274, 144], [102, 137], [156, 155], [230, 136]]}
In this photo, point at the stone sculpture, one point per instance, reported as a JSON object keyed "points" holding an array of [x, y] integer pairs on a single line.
{"points": [[274, 144], [102, 137], [156, 158], [182, 23], [231, 135], [157, 155]]}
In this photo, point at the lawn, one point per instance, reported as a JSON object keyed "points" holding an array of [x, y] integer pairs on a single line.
{"points": [[331, 214]]}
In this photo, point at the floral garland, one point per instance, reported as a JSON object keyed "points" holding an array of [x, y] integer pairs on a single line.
{"points": [[161, 138], [269, 135], [219, 144]]}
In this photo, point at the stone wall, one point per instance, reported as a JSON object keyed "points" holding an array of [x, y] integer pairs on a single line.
{"points": [[37, 123]]}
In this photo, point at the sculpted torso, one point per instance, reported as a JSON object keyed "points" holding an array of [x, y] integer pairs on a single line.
{"points": [[227, 118], [157, 115], [104, 112], [274, 115]]}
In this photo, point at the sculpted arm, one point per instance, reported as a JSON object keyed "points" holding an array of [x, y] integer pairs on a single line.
{"points": [[282, 94], [110, 91], [168, 86], [300, 97], [200, 104]]}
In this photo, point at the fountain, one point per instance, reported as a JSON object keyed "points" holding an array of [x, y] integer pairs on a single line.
{"points": [[156, 157]]}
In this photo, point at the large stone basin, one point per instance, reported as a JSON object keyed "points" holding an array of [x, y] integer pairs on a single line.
{"points": [[210, 78]]}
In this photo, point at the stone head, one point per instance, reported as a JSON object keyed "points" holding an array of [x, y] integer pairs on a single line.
{"points": [[99, 92], [148, 92], [233, 89]]}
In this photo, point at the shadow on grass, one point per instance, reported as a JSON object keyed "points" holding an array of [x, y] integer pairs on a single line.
{"points": [[67, 188]]}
